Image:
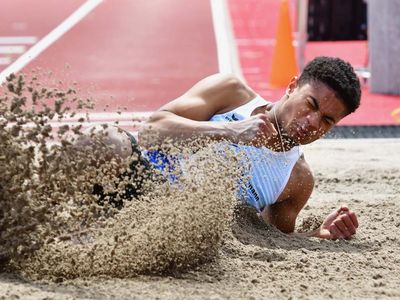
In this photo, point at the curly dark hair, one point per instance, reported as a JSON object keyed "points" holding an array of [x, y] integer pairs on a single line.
{"points": [[336, 74]]}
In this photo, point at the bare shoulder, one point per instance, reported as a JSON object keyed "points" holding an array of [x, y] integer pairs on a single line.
{"points": [[300, 184], [284, 212], [303, 176], [303, 167], [214, 94], [228, 84]]}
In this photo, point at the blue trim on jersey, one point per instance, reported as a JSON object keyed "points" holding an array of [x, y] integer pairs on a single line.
{"points": [[164, 163]]}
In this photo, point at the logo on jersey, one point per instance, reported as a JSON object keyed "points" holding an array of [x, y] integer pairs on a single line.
{"points": [[253, 191], [231, 118]]}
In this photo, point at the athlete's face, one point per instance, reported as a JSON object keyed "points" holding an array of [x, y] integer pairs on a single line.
{"points": [[310, 111]]}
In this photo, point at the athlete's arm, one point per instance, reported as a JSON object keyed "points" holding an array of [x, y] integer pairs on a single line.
{"points": [[283, 214], [187, 116], [341, 223]]}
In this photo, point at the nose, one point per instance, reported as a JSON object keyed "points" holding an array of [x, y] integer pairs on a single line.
{"points": [[313, 120]]}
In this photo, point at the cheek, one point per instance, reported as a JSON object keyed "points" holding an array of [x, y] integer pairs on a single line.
{"points": [[288, 121], [297, 117], [294, 112]]}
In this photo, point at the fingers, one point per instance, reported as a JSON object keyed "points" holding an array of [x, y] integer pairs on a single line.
{"points": [[344, 223], [344, 209], [335, 232], [353, 218], [342, 227], [344, 230], [267, 123], [348, 224], [265, 129]]}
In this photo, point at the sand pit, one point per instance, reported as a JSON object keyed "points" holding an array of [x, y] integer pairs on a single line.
{"points": [[255, 261]]}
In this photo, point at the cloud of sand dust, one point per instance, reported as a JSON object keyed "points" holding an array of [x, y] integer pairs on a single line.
{"points": [[51, 224]]}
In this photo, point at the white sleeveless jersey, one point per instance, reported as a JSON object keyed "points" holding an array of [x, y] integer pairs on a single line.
{"points": [[268, 171]]}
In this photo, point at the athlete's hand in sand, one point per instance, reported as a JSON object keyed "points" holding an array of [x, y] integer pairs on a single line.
{"points": [[255, 130], [340, 224]]}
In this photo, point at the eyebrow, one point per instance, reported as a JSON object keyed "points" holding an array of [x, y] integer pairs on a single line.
{"points": [[316, 103]]}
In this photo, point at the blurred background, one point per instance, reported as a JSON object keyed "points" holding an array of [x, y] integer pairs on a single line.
{"points": [[136, 55]]}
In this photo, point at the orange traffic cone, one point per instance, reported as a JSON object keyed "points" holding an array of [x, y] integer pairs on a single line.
{"points": [[284, 64]]}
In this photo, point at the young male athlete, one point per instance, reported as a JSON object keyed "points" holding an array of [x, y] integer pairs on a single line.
{"points": [[222, 107]]}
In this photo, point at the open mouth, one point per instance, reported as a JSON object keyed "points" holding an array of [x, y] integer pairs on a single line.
{"points": [[301, 131]]}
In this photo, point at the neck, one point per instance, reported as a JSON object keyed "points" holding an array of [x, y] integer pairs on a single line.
{"points": [[281, 142]]}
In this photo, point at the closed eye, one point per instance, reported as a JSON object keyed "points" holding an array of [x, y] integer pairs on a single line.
{"points": [[312, 104], [329, 121], [315, 106]]}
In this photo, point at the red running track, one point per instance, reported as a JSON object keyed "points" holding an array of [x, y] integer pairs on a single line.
{"points": [[33, 18], [135, 54], [21, 18]]}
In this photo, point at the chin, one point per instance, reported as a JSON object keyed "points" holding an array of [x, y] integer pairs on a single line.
{"points": [[291, 138], [305, 142], [309, 140], [302, 139]]}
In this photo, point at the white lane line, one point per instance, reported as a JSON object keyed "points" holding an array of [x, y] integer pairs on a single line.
{"points": [[131, 116], [131, 121], [228, 60], [124, 118], [21, 40], [12, 49], [49, 39], [55, 124], [110, 116]]}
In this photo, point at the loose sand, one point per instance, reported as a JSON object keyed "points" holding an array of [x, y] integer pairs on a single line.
{"points": [[256, 261]]}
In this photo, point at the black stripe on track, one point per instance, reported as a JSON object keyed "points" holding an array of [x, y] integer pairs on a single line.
{"points": [[361, 132]]}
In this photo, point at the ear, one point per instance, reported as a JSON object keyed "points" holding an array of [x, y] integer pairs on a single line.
{"points": [[292, 85]]}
